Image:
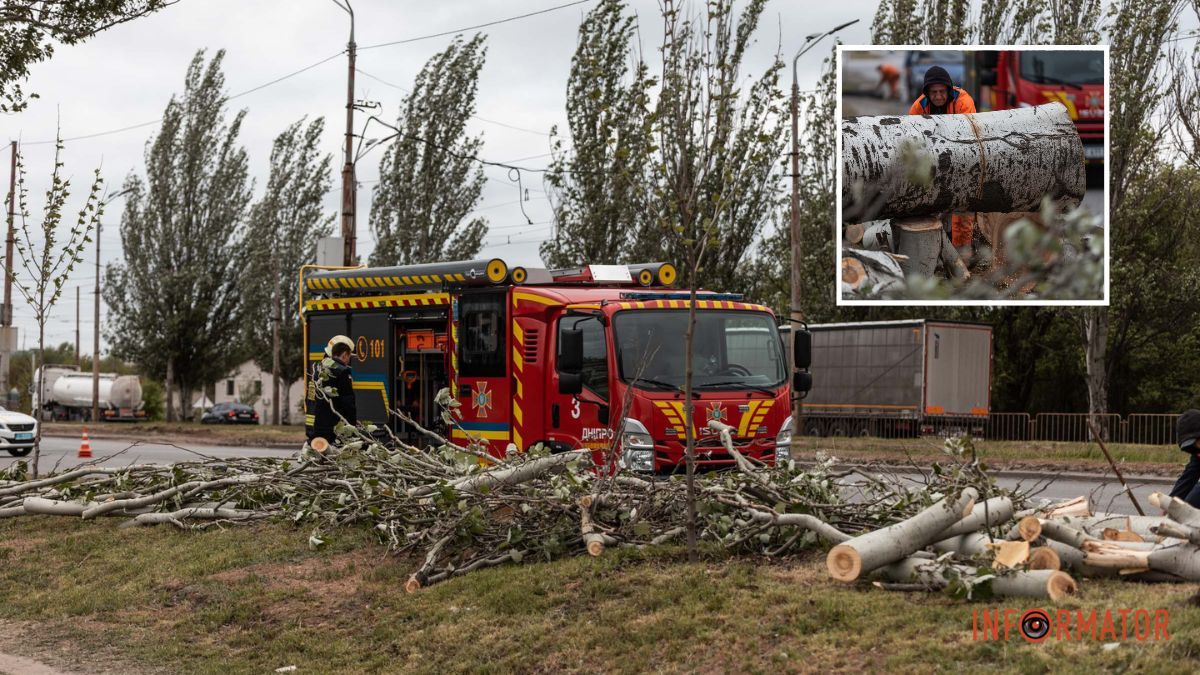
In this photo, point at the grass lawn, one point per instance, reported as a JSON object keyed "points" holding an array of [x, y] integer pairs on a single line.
{"points": [[186, 432], [93, 596], [1150, 459]]}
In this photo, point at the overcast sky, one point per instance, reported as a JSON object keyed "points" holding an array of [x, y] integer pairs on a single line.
{"points": [[126, 75]]}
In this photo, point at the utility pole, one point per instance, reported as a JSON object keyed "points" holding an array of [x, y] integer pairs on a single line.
{"points": [[349, 188], [8, 337], [796, 314], [96, 335], [276, 317]]}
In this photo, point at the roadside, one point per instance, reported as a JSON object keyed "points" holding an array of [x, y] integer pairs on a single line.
{"points": [[245, 435], [1045, 457], [256, 599]]}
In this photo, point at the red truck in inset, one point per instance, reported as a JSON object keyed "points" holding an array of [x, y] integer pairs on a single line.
{"points": [[1075, 78]]}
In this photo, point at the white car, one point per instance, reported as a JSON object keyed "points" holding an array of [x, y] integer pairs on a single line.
{"points": [[17, 431]]}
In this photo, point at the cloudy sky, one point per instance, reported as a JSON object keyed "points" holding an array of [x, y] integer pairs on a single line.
{"points": [[125, 76]]}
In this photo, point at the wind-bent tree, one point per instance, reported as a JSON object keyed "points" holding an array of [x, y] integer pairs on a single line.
{"points": [[47, 257], [596, 183], [176, 298], [30, 28], [429, 180], [284, 227]]}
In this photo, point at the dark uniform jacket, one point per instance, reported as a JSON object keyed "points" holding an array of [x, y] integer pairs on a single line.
{"points": [[338, 385]]}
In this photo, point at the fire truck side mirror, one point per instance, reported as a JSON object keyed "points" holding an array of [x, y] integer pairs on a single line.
{"points": [[802, 349], [801, 382], [570, 361]]}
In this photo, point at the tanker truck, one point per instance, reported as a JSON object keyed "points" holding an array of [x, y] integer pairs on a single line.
{"points": [[63, 393]]}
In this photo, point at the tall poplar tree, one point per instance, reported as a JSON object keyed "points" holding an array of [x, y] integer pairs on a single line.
{"points": [[175, 299]]}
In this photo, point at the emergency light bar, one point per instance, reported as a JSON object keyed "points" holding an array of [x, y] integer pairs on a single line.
{"points": [[636, 295], [640, 274]]}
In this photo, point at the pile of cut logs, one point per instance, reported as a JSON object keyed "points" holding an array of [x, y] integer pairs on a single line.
{"points": [[959, 544]]}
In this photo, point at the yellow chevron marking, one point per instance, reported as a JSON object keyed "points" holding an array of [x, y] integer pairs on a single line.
{"points": [[745, 423], [517, 415], [518, 333], [518, 362], [530, 297]]}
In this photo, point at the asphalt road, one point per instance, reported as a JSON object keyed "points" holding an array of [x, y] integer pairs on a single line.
{"points": [[64, 452], [1105, 493]]}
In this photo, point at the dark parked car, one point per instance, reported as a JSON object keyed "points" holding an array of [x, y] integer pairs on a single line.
{"points": [[230, 413]]}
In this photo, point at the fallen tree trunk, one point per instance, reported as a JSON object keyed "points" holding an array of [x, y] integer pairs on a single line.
{"points": [[988, 513], [1001, 161], [1051, 584], [508, 476], [1177, 509], [860, 555]]}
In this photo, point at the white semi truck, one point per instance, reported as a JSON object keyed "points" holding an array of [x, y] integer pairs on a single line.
{"points": [[64, 393]]}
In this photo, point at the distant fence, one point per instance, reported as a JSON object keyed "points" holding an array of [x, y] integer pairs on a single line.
{"points": [[1139, 428]]}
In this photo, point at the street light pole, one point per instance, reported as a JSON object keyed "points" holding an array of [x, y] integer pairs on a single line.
{"points": [[795, 313], [349, 188]]}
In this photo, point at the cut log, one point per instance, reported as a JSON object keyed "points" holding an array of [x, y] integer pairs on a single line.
{"points": [[1176, 509], [882, 269], [1095, 525], [1058, 530], [853, 233], [860, 555], [1051, 584], [952, 261], [878, 235], [920, 241], [1011, 553], [1078, 506], [1029, 528], [989, 513], [1044, 558], [853, 273], [593, 540], [509, 476], [968, 545], [1001, 161], [1185, 532]]}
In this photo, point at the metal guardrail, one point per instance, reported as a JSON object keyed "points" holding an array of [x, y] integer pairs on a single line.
{"points": [[1137, 428]]}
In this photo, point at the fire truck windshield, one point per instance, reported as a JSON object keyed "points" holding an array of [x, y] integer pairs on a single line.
{"points": [[1071, 68], [733, 349]]}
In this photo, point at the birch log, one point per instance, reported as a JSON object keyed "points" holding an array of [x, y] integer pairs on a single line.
{"points": [[989, 513], [1001, 161], [850, 560], [1050, 584]]}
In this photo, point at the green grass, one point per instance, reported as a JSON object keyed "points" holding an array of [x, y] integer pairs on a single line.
{"points": [[252, 599], [238, 434], [1085, 456]]}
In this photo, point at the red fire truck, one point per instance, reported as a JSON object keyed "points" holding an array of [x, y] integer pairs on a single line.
{"points": [[580, 358], [1074, 78]]}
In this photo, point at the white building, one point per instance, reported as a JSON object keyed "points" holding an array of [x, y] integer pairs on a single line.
{"points": [[252, 385]]}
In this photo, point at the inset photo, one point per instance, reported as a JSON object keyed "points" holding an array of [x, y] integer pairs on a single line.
{"points": [[972, 176]]}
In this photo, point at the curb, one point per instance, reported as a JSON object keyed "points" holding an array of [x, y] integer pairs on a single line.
{"points": [[206, 442], [1021, 473]]}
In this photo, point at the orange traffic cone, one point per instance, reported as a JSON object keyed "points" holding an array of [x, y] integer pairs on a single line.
{"points": [[85, 448]]}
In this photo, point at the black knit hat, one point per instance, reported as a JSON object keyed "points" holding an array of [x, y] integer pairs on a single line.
{"points": [[1187, 428], [936, 75]]}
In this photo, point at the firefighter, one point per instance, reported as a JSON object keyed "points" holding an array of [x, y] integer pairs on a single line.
{"points": [[939, 96], [336, 396], [889, 75], [1187, 433]]}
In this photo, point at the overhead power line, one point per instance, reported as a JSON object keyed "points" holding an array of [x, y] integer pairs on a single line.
{"points": [[482, 25], [481, 119], [237, 95]]}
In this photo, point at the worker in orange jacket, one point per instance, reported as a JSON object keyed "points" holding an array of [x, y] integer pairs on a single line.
{"points": [[889, 75], [940, 97]]}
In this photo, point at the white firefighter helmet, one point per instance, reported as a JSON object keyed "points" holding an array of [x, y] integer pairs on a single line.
{"points": [[338, 339]]}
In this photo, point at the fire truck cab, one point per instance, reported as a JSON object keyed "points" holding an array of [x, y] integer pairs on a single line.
{"points": [[591, 357], [1075, 78]]}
